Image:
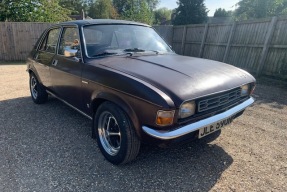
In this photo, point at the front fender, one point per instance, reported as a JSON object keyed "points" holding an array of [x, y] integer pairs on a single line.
{"points": [[99, 97]]}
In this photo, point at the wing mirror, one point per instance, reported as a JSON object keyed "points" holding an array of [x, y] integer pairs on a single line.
{"points": [[70, 52]]}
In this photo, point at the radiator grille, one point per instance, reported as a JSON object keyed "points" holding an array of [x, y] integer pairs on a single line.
{"points": [[219, 100]]}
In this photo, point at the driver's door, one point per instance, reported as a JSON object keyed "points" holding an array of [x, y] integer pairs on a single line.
{"points": [[66, 68]]}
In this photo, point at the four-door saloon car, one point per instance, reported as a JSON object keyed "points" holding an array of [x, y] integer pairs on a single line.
{"points": [[124, 77]]}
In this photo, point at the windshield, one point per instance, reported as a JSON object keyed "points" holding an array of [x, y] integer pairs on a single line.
{"points": [[115, 39]]}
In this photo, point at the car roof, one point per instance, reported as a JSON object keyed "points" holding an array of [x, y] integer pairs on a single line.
{"points": [[101, 21]]}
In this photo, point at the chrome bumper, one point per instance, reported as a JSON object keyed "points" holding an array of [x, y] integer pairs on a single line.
{"points": [[166, 135]]}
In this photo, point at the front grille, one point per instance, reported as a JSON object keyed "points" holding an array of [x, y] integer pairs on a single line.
{"points": [[219, 100]]}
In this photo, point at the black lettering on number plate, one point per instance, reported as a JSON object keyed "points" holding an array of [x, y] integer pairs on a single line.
{"points": [[214, 127]]}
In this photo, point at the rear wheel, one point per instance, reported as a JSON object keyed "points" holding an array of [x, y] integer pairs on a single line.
{"points": [[38, 92], [115, 134]]}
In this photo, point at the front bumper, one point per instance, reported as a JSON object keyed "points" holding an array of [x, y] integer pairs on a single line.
{"points": [[167, 135]]}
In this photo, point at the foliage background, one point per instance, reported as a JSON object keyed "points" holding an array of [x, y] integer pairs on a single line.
{"points": [[187, 12]]}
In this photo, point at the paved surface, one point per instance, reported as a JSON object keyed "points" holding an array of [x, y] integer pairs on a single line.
{"points": [[48, 148]]}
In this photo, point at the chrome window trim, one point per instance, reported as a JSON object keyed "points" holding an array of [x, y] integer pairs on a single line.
{"points": [[62, 31], [84, 38]]}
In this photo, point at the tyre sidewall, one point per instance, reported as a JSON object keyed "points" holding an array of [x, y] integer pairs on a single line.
{"points": [[124, 124], [42, 95]]}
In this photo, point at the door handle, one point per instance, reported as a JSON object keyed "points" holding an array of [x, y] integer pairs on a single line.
{"points": [[55, 62]]}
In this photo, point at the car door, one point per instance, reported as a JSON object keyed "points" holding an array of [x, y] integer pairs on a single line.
{"points": [[66, 68], [45, 55]]}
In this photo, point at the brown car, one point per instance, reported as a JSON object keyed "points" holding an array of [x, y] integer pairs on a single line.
{"points": [[124, 77]]}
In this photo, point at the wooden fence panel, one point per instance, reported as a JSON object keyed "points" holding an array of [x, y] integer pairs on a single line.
{"points": [[177, 38], [280, 37], [17, 39], [218, 34], [245, 57], [166, 32], [214, 52], [192, 49], [247, 45], [216, 41], [276, 63], [250, 33], [194, 36]]}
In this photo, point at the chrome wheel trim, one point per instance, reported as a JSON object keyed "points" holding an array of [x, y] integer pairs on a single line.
{"points": [[33, 87], [109, 133]]}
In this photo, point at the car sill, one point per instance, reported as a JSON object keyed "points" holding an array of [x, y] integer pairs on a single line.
{"points": [[81, 112], [166, 135]]}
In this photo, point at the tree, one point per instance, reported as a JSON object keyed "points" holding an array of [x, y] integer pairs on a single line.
{"points": [[33, 11], [222, 13], [76, 6], [190, 12], [136, 10], [103, 9], [161, 15], [250, 9], [123, 6]]}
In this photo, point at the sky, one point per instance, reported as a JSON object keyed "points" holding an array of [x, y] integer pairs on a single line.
{"points": [[211, 5]]}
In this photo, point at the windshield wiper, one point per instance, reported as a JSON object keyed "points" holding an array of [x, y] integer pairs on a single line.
{"points": [[111, 53], [134, 50], [104, 54]]}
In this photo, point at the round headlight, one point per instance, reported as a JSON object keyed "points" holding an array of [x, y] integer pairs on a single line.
{"points": [[187, 109]]}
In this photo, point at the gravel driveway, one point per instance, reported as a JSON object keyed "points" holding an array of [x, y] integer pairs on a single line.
{"points": [[48, 148]]}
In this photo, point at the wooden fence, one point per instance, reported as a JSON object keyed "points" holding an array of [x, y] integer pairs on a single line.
{"points": [[259, 47], [17, 39]]}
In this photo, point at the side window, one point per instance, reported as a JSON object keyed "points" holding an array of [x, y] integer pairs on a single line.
{"points": [[70, 40], [50, 42]]}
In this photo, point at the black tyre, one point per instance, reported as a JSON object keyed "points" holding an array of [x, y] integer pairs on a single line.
{"points": [[115, 134], [38, 92]]}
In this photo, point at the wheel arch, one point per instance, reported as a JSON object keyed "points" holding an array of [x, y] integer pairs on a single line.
{"points": [[102, 97], [31, 70]]}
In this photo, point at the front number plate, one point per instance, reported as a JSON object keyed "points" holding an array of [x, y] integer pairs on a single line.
{"points": [[214, 127]]}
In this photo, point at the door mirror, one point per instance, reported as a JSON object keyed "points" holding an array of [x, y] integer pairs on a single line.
{"points": [[70, 52]]}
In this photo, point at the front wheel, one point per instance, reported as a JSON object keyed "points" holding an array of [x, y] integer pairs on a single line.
{"points": [[38, 92], [115, 134]]}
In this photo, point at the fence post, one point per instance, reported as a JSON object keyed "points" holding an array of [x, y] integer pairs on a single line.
{"points": [[183, 40], [229, 42], [171, 36], [268, 39], [203, 40]]}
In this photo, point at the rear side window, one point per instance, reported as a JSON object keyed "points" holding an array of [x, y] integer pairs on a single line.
{"points": [[50, 42]]}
